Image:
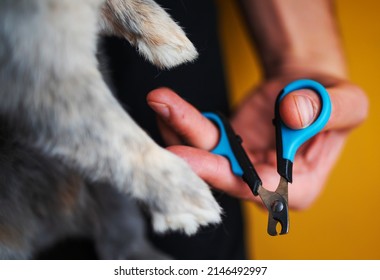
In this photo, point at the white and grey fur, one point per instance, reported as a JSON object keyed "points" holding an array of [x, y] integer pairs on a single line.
{"points": [[55, 102]]}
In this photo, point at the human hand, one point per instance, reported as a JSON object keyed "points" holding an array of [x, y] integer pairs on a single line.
{"points": [[182, 123], [316, 158]]}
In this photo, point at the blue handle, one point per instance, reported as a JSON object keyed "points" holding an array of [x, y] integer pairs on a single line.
{"points": [[293, 139], [223, 147]]}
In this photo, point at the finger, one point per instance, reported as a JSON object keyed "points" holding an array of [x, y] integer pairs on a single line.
{"points": [[168, 134], [215, 170], [186, 121], [315, 167], [349, 107], [299, 108]]}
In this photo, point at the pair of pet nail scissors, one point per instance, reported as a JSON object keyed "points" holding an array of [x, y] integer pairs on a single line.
{"points": [[287, 143]]}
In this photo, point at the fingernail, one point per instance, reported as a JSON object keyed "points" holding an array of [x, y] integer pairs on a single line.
{"points": [[306, 110], [161, 109]]}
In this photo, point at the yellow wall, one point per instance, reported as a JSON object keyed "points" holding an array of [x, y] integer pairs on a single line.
{"points": [[345, 221]]}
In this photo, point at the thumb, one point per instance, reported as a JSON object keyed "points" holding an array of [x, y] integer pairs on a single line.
{"points": [[299, 108], [349, 107]]}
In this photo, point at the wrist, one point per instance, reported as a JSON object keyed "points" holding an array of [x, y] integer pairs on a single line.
{"points": [[305, 65]]}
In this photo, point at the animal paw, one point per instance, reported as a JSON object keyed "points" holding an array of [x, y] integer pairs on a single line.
{"points": [[176, 197], [150, 29]]}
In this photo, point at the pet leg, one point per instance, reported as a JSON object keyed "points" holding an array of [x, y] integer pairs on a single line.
{"points": [[92, 133], [111, 147], [150, 29]]}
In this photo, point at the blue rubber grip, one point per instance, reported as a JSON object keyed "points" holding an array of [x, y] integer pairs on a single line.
{"points": [[292, 139], [223, 147]]}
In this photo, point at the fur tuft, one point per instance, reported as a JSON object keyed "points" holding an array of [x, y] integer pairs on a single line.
{"points": [[150, 29]]}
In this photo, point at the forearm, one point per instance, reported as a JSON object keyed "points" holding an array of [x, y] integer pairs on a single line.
{"points": [[295, 36]]}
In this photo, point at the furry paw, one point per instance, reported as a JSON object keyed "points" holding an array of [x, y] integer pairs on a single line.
{"points": [[186, 222], [150, 29], [168, 47], [176, 197]]}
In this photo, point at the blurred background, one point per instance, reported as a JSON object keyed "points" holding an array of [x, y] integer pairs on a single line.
{"points": [[344, 222]]}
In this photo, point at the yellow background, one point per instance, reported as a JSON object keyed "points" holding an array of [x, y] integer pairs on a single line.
{"points": [[344, 223]]}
